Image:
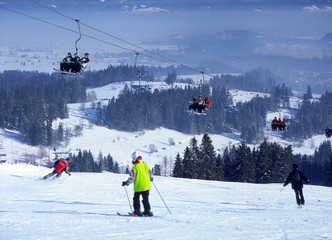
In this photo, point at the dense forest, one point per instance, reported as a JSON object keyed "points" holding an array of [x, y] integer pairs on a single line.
{"points": [[85, 162], [269, 163], [169, 108], [30, 102], [312, 118]]}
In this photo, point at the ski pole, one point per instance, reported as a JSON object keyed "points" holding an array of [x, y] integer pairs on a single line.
{"points": [[131, 209], [314, 193], [278, 194], [162, 198], [63, 179]]}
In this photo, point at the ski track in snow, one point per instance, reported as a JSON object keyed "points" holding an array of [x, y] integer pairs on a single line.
{"points": [[85, 206]]}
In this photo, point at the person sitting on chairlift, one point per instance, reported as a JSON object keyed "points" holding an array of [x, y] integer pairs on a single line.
{"points": [[206, 103], [200, 104], [84, 61], [193, 104], [66, 63], [76, 66], [328, 132]]}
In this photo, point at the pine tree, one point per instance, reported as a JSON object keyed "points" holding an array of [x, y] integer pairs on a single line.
{"points": [[246, 165], [156, 170], [262, 162], [195, 156], [102, 164], [188, 164], [219, 170], [109, 163], [207, 161], [98, 122], [308, 94], [116, 167], [178, 167]]}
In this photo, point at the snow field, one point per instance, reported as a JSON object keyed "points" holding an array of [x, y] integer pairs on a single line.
{"points": [[85, 206]]}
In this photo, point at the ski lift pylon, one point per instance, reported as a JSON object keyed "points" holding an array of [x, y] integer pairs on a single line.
{"points": [[79, 29], [139, 87]]}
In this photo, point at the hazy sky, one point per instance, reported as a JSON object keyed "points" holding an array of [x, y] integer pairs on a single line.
{"points": [[156, 20]]}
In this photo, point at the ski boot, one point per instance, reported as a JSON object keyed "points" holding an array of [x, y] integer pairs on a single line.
{"points": [[148, 214], [137, 213]]}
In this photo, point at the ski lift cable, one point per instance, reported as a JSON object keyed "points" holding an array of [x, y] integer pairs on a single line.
{"points": [[120, 39], [97, 39], [42, 5], [67, 29]]}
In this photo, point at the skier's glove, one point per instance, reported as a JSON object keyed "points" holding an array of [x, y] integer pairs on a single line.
{"points": [[125, 183], [151, 179]]}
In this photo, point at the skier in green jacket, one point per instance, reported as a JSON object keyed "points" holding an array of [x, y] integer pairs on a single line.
{"points": [[141, 176]]}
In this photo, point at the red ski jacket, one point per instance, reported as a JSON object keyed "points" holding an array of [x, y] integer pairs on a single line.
{"points": [[61, 165], [207, 102]]}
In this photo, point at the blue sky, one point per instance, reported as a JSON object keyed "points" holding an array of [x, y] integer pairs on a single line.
{"points": [[138, 21]]}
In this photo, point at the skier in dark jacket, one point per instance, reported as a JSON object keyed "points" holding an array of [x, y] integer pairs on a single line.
{"points": [[66, 63], [76, 65], [200, 104], [84, 61], [193, 104], [59, 167], [297, 177]]}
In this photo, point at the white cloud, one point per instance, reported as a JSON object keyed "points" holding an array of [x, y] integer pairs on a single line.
{"points": [[145, 9], [102, 1], [258, 10], [263, 11], [126, 7], [315, 9]]}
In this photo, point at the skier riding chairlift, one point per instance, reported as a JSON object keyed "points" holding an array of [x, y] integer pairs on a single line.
{"points": [[139, 87], [328, 132], [199, 106], [73, 65]]}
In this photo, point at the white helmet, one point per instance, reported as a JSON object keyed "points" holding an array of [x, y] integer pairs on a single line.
{"points": [[135, 155]]}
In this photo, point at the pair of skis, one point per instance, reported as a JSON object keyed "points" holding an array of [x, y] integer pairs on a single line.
{"points": [[130, 215], [68, 73]]}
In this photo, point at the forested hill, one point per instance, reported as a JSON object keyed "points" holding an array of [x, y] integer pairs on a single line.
{"points": [[31, 101], [268, 163]]}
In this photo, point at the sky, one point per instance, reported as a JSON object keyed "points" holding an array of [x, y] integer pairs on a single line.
{"points": [[157, 20]]}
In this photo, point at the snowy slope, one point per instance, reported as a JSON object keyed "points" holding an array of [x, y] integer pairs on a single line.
{"points": [[84, 207]]}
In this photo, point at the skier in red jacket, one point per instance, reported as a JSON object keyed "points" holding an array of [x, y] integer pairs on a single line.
{"points": [[59, 167], [207, 102]]}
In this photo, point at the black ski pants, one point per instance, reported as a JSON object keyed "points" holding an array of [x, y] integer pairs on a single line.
{"points": [[299, 196], [146, 204], [51, 174]]}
